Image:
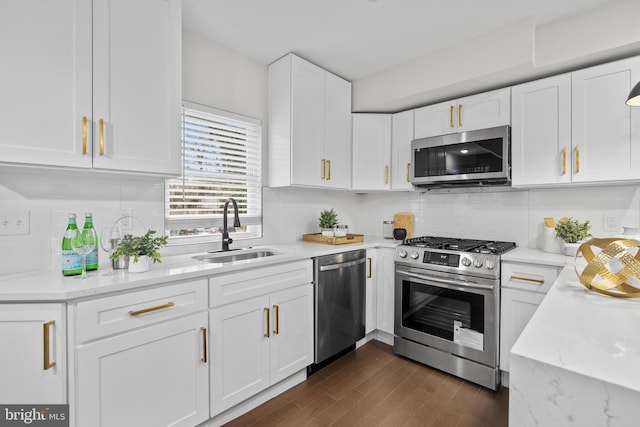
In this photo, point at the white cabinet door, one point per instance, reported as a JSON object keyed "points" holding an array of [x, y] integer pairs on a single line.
{"points": [[239, 354], [291, 340], [137, 85], [45, 82], [371, 152], [436, 119], [337, 143], [307, 123], [401, 137], [541, 132], [516, 309], [33, 355], [370, 292], [484, 110], [154, 376], [606, 143], [385, 289]]}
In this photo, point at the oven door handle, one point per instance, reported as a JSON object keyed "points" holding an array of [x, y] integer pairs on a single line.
{"points": [[448, 282]]}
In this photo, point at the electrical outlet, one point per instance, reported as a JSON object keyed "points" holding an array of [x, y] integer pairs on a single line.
{"points": [[610, 222], [14, 222]]}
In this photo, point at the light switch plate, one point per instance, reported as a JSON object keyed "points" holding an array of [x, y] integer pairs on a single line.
{"points": [[14, 222]]}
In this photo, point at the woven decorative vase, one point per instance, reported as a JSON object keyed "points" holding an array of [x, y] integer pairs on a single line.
{"points": [[611, 269]]}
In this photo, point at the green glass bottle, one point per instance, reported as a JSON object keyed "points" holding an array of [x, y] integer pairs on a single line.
{"points": [[71, 260], [92, 257]]}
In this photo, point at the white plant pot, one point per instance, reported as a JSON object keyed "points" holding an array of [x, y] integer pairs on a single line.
{"points": [[328, 232], [570, 249], [140, 266]]}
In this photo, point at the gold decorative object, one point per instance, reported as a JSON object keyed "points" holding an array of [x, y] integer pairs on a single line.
{"points": [[617, 254]]}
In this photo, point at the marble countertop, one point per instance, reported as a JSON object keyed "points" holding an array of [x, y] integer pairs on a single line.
{"points": [[577, 362], [52, 286]]}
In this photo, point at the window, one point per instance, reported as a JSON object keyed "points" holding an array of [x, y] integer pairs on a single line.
{"points": [[221, 158]]}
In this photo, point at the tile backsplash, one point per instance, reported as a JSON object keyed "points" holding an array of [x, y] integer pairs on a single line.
{"points": [[290, 212]]}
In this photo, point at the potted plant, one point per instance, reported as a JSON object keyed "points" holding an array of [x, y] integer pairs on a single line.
{"points": [[327, 222], [140, 250], [573, 233]]}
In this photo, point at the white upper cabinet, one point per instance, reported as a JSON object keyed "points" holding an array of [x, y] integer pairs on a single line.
{"points": [[576, 127], [137, 82], [401, 137], [97, 86], [541, 132], [309, 126], [605, 132], [371, 152], [45, 82], [484, 110]]}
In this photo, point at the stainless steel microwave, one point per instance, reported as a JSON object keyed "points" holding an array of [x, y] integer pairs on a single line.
{"points": [[477, 157]]}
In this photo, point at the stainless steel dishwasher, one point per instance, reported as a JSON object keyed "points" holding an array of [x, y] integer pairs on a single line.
{"points": [[339, 302]]}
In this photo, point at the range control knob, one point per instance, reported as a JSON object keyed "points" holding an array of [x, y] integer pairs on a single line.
{"points": [[477, 263], [466, 262], [490, 264], [402, 253], [415, 255]]}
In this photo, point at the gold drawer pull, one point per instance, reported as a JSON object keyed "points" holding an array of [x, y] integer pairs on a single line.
{"points": [[329, 170], [84, 135], [386, 174], [147, 310], [460, 115], [204, 344], [276, 331], [526, 279], [564, 160], [408, 169], [102, 137], [370, 275], [577, 158], [47, 345], [266, 313], [324, 167], [451, 116]]}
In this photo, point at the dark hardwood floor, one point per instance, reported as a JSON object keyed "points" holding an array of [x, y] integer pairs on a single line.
{"points": [[372, 386]]}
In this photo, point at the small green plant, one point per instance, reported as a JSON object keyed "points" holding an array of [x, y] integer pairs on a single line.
{"points": [[328, 219], [139, 246], [572, 230]]}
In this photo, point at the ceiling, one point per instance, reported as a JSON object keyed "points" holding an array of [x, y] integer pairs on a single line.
{"points": [[357, 38]]}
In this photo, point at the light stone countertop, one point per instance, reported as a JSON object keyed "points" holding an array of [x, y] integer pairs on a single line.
{"points": [[44, 286], [577, 362]]}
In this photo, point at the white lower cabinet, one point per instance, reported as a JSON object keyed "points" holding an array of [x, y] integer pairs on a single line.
{"points": [[523, 287], [370, 291], [33, 354], [156, 376], [141, 358], [385, 289]]}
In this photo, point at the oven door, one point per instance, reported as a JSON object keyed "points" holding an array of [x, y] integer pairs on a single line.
{"points": [[473, 156], [453, 313]]}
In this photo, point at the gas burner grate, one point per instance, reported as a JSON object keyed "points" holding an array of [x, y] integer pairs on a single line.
{"points": [[461, 245]]}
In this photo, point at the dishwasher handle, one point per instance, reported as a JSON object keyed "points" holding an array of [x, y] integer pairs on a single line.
{"points": [[342, 265]]}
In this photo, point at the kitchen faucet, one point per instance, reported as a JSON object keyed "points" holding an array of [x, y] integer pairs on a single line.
{"points": [[236, 223]]}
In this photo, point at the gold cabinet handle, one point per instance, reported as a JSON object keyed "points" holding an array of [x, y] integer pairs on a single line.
{"points": [[147, 310], [451, 116], [408, 170], [324, 166], [564, 160], [84, 135], [46, 328], [526, 279], [386, 174], [102, 137], [204, 344], [577, 158], [266, 313], [370, 275], [328, 170], [459, 115], [276, 331]]}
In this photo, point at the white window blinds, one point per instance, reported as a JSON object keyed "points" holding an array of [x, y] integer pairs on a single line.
{"points": [[221, 158]]}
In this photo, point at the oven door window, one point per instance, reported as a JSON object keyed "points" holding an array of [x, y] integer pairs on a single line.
{"points": [[460, 159], [439, 311]]}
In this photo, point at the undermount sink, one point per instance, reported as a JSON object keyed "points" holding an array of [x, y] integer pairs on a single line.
{"points": [[233, 256]]}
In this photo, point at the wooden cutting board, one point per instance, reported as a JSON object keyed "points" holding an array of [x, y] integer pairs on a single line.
{"points": [[404, 220]]}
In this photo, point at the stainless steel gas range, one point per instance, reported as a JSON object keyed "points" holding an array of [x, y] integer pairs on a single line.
{"points": [[447, 295]]}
